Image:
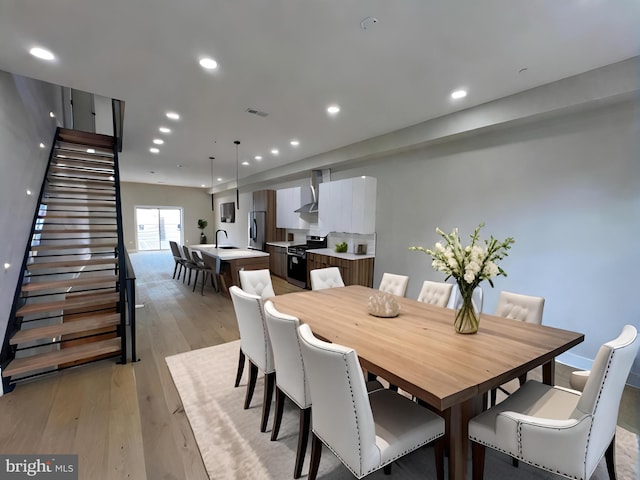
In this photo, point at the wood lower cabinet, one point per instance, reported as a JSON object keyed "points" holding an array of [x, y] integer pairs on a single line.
{"points": [[277, 260], [354, 272]]}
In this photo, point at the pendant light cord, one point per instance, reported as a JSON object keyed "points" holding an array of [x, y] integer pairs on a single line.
{"points": [[237, 143]]}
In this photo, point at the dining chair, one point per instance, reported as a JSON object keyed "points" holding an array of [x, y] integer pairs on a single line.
{"points": [[211, 269], [394, 284], [365, 431], [257, 282], [435, 293], [524, 308], [201, 266], [291, 379], [578, 379], [255, 345], [322, 278], [188, 263], [560, 430], [177, 258]]}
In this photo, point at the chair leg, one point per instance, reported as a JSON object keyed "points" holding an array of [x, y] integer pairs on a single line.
{"points": [[610, 457], [204, 280], [175, 269], [387, 469], [303, 437], [240, 368], [277, 418], [269, 383], [371, 377], [316, 452], [438, 452], [477, 460], [253, 376], [195, 281]]}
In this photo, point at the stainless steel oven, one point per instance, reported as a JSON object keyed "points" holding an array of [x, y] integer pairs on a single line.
{"points": [[297, 259]]}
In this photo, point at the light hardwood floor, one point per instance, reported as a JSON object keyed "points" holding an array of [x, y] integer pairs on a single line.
{"points": [[126, 421]]}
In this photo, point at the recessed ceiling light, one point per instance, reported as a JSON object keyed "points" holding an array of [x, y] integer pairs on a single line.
{"points": [[52, 115], [41, 53], [42, 145], [258, 157], [7, 266], [294, 143], [208, 63], [158, 141], [219, 179], [275, 151], [154, 150], [173, 115], [28, 192], [165, 130], [179, 165], [151, 171], [91, 150], [245, 163], [333, 109], [202, 185], [458, 94]]}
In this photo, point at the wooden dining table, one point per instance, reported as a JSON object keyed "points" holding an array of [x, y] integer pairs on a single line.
{"points": [[420, 352]]}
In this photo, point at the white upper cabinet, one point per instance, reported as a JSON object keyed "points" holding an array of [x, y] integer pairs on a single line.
{"points": [[287, 201], [348, 206]]}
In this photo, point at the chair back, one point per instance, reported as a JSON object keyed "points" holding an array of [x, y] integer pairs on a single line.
{"points": [[186, 254], [520, 307], [435, 293], [254, 339], [342, 416], [175, 250], [394, 284], [322, 278], [291, 377], [603, 391], [197, 258], [257, 282]]}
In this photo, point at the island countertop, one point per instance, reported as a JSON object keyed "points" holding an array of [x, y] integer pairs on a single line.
{"points": [[344, 255], [228, 253]]}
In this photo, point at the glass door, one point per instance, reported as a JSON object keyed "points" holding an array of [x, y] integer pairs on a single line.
{"points": [[156, 227]]}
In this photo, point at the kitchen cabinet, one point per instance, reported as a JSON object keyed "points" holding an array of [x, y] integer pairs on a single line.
{"points": [[289, 200], [265, 201], [348, 205], [354, 272], [277, 260]]}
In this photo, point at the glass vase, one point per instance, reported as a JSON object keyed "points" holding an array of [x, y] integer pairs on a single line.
{"points": [[467, 312]]}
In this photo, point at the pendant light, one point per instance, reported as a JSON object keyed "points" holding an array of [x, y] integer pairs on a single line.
{"points": [[237, 143], [212, 159]]}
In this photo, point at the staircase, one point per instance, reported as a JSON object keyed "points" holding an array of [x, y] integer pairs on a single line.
{"points": [[69, 307]]}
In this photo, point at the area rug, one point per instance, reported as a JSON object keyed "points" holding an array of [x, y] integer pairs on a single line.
{"points": [[232, 446]]}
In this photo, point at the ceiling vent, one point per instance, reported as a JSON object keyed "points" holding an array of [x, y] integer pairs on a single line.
{"points": [[256, 112]]}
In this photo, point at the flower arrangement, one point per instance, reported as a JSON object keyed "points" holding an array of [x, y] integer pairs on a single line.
{"points": [[469, 266]]}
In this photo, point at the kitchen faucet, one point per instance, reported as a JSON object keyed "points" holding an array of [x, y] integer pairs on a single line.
{"points": [[218, 231]]}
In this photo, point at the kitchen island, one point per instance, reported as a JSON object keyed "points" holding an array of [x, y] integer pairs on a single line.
{"points": [[230, 260]]}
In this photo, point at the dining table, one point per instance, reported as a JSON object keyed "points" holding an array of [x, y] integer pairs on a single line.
{"points": [[420, 352]]}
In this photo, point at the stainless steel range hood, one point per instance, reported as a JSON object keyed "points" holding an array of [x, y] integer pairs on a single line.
{"points": [[317, 177]]}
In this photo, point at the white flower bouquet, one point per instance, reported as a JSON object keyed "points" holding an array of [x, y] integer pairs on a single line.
{"points": [[469, 266]]}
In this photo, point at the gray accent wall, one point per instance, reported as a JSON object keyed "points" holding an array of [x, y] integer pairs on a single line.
{"points": [[24, 123]]}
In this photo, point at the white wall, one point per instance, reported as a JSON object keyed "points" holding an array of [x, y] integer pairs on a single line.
{"points": [[24, 123], [568, 191]]}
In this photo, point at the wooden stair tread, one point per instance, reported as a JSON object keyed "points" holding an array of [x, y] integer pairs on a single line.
{"points": [[76, 302], [63, 146], [71, 282], [65, 328], [78, 246], [70, 215], [83, 162], [86, 138], [50, 229], [104, 184], [81, 169], [78, 203], [72, 263], [53, 189], [51, 359]]}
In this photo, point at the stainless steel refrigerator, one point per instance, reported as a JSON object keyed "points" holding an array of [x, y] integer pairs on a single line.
{"points": [[257, 230]]}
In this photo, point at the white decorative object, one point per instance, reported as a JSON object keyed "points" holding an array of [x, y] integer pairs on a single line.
{"points": [[383, 305]]}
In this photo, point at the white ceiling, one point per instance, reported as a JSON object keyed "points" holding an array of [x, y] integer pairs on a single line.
{"points": [[293, 58]]}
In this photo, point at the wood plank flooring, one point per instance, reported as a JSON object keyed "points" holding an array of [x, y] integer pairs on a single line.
{"points": [[126, 421]]}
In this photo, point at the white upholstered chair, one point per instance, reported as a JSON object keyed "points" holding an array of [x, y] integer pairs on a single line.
{"points": [[291, 379], [365, 431], [556, 429], [524, 308], [257, 282], [394, 284], [322, 278], [435, 293], [578, 379], [255, 345]]}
